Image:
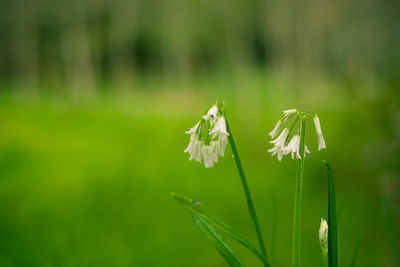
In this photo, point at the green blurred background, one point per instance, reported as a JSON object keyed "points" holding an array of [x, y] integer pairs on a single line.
{"points": [[96, 97]]}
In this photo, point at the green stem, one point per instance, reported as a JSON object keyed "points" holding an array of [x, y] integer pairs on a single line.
{"points": [[325, 260], [297, 198], [249, 197]]}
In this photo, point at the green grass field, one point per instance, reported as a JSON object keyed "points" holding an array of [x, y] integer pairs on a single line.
{"points": [[90, 185]]}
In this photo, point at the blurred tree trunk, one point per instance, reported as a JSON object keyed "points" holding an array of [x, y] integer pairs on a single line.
{"points": [[236, 37], [176, 46], [76, 51], [123, 18], [24, 49]]}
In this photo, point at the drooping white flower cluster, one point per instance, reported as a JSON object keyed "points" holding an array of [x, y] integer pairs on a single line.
{"points": [[208, 138], [323, 236], [281, 144]]}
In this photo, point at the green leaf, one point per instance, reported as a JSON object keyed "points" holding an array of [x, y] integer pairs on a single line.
{"points": [[354, 259], [194, 208], [332, 223], [218, 242]]}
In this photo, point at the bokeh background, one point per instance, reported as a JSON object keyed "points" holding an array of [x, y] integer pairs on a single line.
{"points": [[96, 97]]}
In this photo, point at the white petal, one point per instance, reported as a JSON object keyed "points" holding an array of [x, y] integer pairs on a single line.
{"points": [[321, 141], [290, 112], [211, 113], [193, 129], [276, 129], [219, 128]]}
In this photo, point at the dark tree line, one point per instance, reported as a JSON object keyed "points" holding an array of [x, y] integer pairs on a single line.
{"points": [[81, 46]]}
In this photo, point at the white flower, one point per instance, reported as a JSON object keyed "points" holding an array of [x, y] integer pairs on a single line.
{"points": [[195, 149], [208, 146], [211, 113], [220, 134], [289, 112], [290, 122], [192, 140], [293, 147], [208, 156], [222, 141], [216, 150], [279, 144], [277, 128], [323, 236], [193, 129], [219, 128], [321, 141]]}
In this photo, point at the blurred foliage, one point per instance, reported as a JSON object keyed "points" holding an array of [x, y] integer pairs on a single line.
{"points": [[76, 47]]}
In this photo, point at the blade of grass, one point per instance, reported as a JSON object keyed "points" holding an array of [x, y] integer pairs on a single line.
{"points": [[218, 224], [218, 242], [273, 226], [354, 259], [332, 223]]}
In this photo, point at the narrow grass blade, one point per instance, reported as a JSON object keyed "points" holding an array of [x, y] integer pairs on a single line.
{"points": [[190, 204], [354, 259], [218, 242], [332, 223]]}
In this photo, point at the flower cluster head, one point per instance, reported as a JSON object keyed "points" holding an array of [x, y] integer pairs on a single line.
{"points": [[208, 138], [288, 137], [323, 236]]}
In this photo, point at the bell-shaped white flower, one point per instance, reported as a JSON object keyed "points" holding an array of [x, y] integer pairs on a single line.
{"points": [[222, 142], [289, 112], [293, 147], [211, 113], [276, 129], [321, 141], [193, 129], [195, 150], [216, 150], [208, 156], [279, 144], [323, 236], [219, 128]]}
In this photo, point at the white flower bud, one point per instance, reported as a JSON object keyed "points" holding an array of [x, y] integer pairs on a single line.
{"points": [[289, 112], [321, 141], [323, 236]]}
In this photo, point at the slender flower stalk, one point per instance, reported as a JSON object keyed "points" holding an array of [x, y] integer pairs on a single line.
{"points": [[249, 197], [297, 197], [208, 139]]}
